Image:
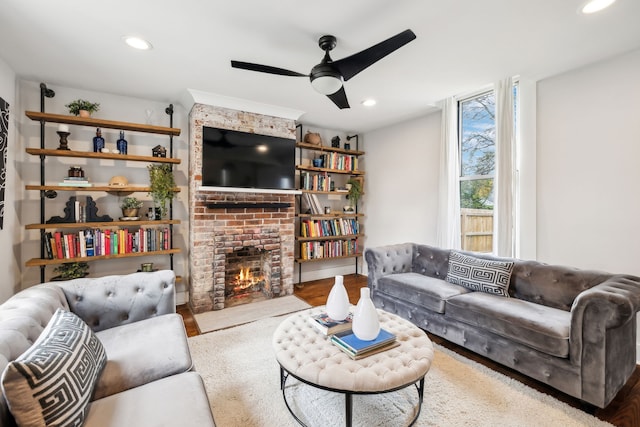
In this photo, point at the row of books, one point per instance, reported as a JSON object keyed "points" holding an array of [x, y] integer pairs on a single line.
{"points": [[328, 249], [345, 162], [343, 338], [315, 182], [96, 242], [328, 227]]}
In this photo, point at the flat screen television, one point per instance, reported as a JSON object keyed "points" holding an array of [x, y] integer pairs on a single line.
{"points": [[247, 160]]}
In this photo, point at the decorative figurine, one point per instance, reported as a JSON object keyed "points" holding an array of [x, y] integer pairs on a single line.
{"points": [[98, 141], [121, 144], [335, 142], [159, 151]]}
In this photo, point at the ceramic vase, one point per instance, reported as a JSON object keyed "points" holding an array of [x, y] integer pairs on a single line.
{"points": [[338, 301], [366, 325]]}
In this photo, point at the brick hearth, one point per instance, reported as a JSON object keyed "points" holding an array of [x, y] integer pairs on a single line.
{"points": [[215, 232]]}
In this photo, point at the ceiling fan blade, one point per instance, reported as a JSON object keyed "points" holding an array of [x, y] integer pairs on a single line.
{"points": [[352, 65], [266, 69], [340, 98]]}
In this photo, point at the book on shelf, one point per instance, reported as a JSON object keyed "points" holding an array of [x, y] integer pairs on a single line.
{"points": [[66, 183], [328, 326], [354, 347]]}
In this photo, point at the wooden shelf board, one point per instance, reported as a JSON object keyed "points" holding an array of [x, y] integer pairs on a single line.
{"points": [[342, 193], [39, 261], [329, 216], [101, 123], [92, 155], [320, 238], [300, 260], [127, 189], [101, 224], [314, 169], [329, 149]]}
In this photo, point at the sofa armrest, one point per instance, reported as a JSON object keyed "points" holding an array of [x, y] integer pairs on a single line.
{"points": [[110, 301], [603, 335], [385, 260]]}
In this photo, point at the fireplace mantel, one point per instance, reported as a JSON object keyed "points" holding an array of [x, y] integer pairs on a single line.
{"points": [[250, 205]]}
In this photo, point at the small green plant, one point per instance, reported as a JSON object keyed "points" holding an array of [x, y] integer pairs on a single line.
{"points": [[80, 104], [72, 270], [131, 203], [162, 185], [355, 192]]}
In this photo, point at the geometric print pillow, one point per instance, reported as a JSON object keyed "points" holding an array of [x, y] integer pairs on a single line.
{"points": [[51, 383], [480, 274]]}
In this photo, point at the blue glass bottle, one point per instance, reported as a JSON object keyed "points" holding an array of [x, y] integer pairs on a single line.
{"points": [[121, 144], [98, 141]]}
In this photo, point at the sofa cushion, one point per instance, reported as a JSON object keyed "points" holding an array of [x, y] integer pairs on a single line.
{"points": [[179, 400], [426, 291], [537, 326], [52, 382], [480, 274], [142, 352]]}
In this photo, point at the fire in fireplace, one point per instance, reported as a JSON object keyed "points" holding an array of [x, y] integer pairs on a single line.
{"points": [[247, 276]]}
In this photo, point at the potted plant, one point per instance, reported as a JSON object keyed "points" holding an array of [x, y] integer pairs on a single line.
{"points": [[354, 187], [130, 207], [71, 270], [82, 107], [355, 191], [162, 185]]}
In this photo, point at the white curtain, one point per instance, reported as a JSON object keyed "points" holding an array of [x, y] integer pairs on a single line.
{"points": [[449, 190], [504, 185]]}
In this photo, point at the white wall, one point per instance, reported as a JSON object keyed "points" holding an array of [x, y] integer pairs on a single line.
{"points": [[588, 150], [10, 234], [112, 107], [401, 184]]}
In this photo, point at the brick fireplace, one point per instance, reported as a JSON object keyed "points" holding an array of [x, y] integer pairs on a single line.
{"points": [[229, 224]]}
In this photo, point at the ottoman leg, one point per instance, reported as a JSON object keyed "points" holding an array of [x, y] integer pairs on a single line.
{"points": [[348, 410]]}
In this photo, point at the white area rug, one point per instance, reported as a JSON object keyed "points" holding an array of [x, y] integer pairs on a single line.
{"points": [[243, 383], [241, 314]]}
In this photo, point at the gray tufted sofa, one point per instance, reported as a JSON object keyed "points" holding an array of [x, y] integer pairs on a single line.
{"points": [[148, 378], [574, 330]]}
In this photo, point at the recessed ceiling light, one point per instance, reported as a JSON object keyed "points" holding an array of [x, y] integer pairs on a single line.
{"points": [[593, 6], [369, 102], [137, 42]]}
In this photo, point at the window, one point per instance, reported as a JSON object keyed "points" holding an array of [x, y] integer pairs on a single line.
{"points": [[477, 143], [477, 133]]}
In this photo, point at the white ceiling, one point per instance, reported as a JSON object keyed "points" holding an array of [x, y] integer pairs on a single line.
{"points": [[461, 46]]}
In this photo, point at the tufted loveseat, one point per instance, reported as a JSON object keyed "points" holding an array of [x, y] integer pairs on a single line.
{"points": [[147, 379], [574, 330]]}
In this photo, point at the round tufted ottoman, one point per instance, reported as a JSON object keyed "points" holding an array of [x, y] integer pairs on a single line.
{"points": [[306, 354]]}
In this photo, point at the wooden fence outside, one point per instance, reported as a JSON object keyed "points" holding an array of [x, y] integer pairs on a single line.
{"points": [[476, 227]]}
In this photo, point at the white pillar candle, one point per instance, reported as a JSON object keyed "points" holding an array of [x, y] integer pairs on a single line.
{"points": [[63, 128]]}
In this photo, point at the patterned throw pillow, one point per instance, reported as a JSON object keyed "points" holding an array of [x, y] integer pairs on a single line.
{"points": [[51, 383], [480, 274]]}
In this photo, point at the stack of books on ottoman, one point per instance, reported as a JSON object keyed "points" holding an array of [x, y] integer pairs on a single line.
{"points": [[345, 340], [356, 348]]}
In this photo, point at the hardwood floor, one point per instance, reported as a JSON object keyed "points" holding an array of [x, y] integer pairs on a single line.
{"points": [[624, 411]]}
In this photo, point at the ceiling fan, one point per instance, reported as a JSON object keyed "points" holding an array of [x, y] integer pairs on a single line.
{"points": [[327, 77]]}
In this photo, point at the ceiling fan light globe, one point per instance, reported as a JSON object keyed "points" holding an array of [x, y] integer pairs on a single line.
{"points": [[326, 85]]}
